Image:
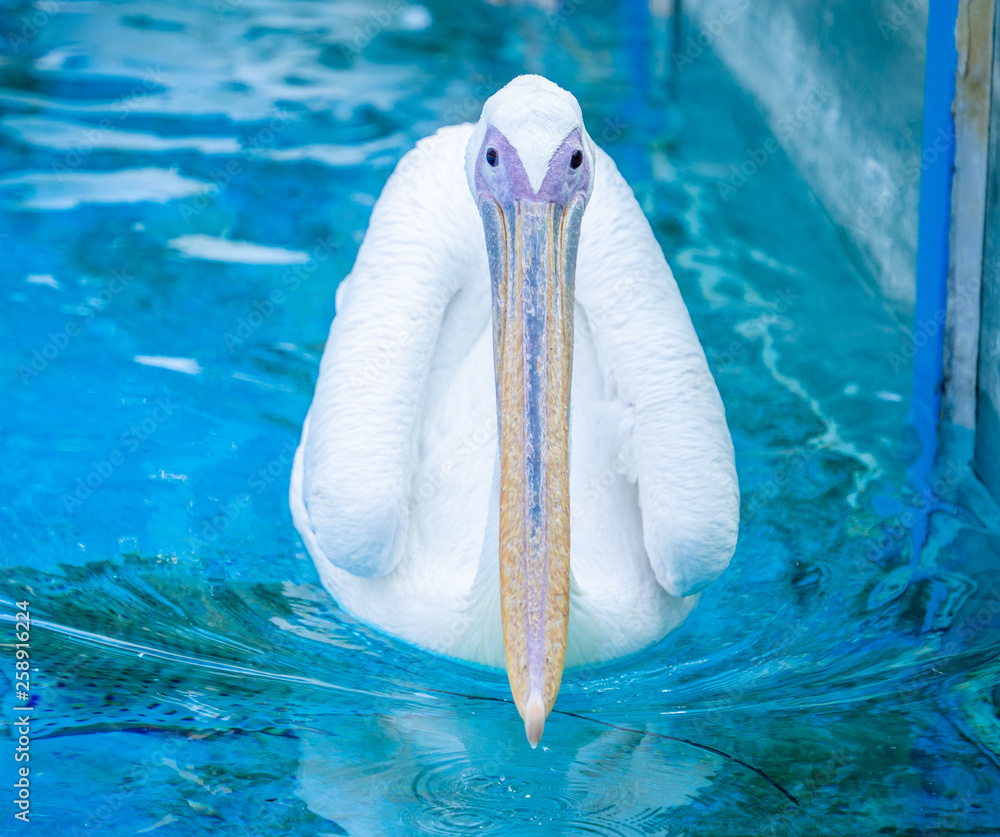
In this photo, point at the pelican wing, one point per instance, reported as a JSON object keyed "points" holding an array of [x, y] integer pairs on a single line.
{"points": [[360, 439], [681, 453]]}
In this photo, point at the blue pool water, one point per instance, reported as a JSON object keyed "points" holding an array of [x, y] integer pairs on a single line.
{"points": [[182, 186]]}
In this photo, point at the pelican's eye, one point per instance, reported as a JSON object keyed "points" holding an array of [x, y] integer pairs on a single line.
{"points": [[576, 160], [491, 156]]}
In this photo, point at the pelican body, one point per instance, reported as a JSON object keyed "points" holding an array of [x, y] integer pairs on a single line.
{"points": [[516, 454]]}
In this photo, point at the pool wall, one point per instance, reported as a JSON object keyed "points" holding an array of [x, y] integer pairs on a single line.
{"points": [[987, 454], [843, 88]]}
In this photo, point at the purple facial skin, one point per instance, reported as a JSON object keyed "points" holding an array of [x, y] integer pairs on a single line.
{"points": [[507, 182]]}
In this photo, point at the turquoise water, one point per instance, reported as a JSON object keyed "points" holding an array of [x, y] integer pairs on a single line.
{"points": [[165, 169]]}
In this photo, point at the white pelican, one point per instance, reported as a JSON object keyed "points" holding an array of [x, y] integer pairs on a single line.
{"points": [[502, 260]]}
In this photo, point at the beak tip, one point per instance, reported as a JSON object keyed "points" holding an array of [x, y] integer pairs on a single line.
{"points": [[534, 719]]}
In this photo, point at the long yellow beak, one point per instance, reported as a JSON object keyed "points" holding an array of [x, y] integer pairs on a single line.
{"points": [[532, 248]]}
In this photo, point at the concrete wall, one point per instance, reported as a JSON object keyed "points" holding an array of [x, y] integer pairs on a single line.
{"points": [[971, 114], [860, 152], [987, 455]]}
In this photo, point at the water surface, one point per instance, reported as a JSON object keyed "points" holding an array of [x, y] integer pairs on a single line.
{"points": [[182, 186]]}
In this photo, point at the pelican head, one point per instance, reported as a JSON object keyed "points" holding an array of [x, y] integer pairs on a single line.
{"points": [[530, 165]]}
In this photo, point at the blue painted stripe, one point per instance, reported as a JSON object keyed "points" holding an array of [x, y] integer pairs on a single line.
{"points": [[934, 228]]}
